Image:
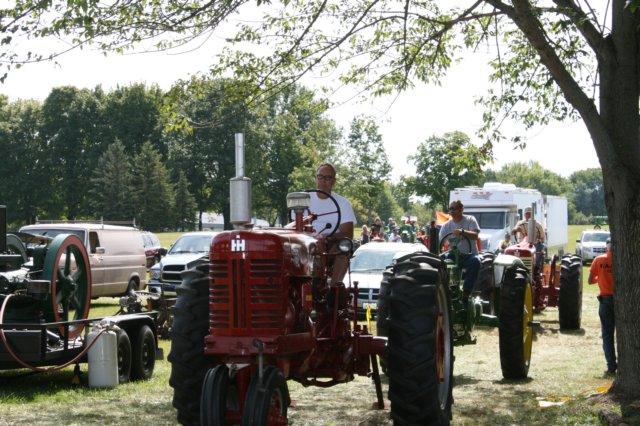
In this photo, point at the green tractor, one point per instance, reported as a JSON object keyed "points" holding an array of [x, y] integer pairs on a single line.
{"points": [[422, 311]]}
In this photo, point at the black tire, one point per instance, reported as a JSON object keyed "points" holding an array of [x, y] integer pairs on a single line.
{"points": [[485, 284], [190, 325], [382, 315], [516, 312], [266, 404], [570, 300], [124, 356], [144, 354], [132, 287], [420, 344], [219, 395]]}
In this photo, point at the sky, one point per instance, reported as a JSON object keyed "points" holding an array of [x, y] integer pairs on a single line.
{"points": [[404, 123]]}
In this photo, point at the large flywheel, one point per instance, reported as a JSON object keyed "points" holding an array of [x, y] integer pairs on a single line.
{"points": [[67, 266]]}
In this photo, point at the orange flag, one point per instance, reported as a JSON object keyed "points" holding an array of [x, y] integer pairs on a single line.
{"points": [[441, 218]]}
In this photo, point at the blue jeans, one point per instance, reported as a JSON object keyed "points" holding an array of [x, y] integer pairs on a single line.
{"points": [[471, 264], [608, 321]]}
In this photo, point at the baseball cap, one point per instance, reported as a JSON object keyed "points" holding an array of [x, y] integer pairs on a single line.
{"points": [[527, 210]]}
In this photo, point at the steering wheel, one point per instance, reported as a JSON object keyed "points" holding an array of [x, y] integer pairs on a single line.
{"points": [[335, 228], [442, 241]]}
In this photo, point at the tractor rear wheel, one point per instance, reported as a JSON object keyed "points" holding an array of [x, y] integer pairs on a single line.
{"points": [[516, 313], [420, 354], [190, 325], [382, 315], [570, 300], [267, 400]]}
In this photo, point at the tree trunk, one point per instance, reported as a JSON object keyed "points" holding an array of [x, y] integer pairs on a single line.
{"points": [[619, 155]]}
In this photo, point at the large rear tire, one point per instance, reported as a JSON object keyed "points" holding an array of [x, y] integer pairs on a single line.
{"points": [[570, 300], [190, 325], [420, 345], [515, 332]]}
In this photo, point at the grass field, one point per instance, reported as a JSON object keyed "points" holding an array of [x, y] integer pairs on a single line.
{"points": [[566, 385]]}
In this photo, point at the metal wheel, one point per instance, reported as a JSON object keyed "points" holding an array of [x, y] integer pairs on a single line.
{"points": [[67, 266], [267, 400]]}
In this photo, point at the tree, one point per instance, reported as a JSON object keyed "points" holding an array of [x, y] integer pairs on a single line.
{"points": [[588, 192], [185, 204], [112, 190], [368, 164], [443, 163], [554, 60], [531, 175], [71, 141], [22, 172], [154, 198]]}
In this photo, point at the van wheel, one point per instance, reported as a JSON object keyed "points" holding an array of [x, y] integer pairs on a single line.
{"points": [[132, 287]]}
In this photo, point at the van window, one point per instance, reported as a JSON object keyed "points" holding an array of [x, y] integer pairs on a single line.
{"points": [[94, 242]]}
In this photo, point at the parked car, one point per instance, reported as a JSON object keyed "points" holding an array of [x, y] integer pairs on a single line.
{"points": [[116, 254], [369, 262], [153, 250], [189, 250], [592, 243]]}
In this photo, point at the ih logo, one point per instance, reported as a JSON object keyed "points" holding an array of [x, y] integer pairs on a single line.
{"points": [[238, 244]]}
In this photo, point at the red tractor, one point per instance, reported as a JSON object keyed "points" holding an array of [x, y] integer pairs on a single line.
{"points": [[553, 284], [263, 310]]}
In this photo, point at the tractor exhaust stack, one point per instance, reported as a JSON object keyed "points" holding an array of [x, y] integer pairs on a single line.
{"points": [[240, 189]]}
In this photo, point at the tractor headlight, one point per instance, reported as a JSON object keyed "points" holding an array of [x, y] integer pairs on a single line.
{"points": [[345, 245]]}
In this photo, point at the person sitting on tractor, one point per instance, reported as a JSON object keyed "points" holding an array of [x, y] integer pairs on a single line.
{"points": [[462, 232], [522, 227], [320, 203]]}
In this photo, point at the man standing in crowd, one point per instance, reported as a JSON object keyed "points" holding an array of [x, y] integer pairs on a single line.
{"points": [[601, 272]]}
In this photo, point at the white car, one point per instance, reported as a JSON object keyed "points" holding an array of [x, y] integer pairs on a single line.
{"points": [[591, 244], [369, 262]]}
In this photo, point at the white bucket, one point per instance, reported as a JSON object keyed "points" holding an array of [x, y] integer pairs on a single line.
{"points": [[103, 358]]}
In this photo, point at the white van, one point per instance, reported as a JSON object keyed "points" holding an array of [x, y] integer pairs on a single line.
{"points": [[116, 254]]}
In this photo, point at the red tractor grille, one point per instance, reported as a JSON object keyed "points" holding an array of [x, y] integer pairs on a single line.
{"points": [[246, 295]]}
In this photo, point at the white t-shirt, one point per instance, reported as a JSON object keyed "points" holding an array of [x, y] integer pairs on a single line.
{"points": [[321, 206], [468, 223]]}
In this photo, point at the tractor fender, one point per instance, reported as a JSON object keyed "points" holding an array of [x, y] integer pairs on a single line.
{"points": [[501, 263]]}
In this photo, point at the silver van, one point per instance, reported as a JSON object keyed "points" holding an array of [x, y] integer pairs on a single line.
{"points": [[116, 254]]}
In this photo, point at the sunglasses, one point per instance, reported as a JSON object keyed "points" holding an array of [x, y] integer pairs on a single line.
{"points": [[325, 177]]}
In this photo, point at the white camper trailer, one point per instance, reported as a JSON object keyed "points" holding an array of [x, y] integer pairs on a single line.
{"points": [[499, 206]]}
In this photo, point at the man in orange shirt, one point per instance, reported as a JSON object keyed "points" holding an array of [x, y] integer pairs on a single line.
{"points": [[601, 272]]}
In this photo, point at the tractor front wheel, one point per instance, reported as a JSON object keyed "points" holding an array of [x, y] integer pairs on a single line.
{"points": [[570, 300], [420, 345], [515, 332], [267, 399], [219, 396], [190, 325]]}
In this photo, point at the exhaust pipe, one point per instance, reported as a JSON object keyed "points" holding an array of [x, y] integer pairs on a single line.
{"points": [[240, 189]]}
